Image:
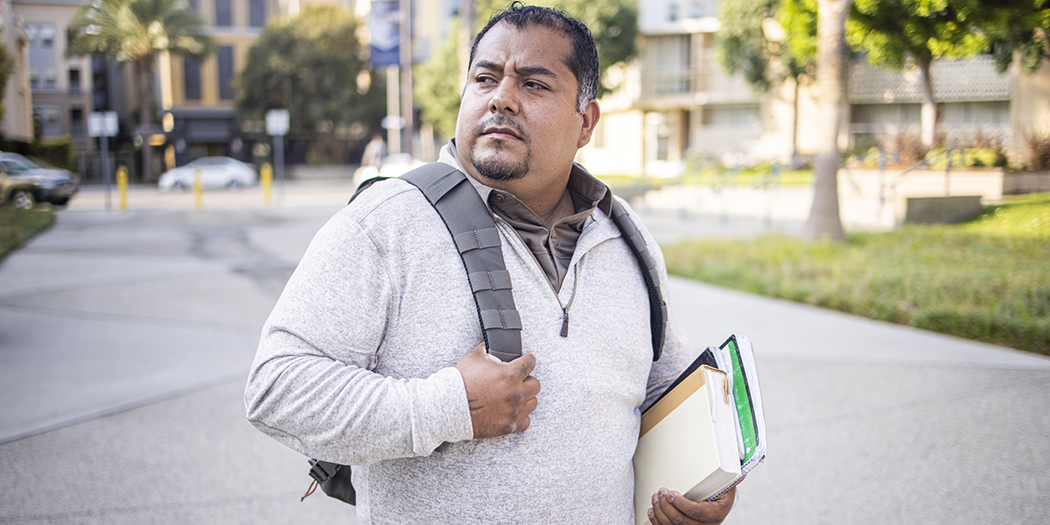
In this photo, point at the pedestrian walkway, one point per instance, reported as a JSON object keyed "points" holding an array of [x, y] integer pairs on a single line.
{"points": [[125, 339]]}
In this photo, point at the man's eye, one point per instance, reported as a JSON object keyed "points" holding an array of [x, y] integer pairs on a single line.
{"points": [[534, 85], [484, 79]]}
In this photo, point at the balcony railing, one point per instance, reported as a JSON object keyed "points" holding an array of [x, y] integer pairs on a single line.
{"points": [[953, 81], [705, 85]]}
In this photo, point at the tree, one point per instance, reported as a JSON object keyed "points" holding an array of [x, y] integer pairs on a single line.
{"points": [[748, 46], [890, 31], [438, 83], [824, 220], [613, 24], [135, 31], [1021, 26], [313, 66]]}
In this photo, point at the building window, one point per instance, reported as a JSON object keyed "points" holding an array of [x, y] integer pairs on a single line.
{"points": [[74, 82], [256, 13], [50, 78], [76, 122], [223, 13], [668, 61], [47, 36], [696, 9], [49, 119], [672, 12], [34, 78], [192, 76], [194, 7], [743, 116], [225, 60], [99, 83]]}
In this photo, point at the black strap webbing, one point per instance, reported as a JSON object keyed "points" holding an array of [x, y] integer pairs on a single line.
{"points": [[477, 240], [657, 307]]}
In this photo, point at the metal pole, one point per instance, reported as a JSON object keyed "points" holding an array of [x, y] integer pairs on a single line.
{"points": [[278, 161], [105, 168], [393, 94], [406, 74]]}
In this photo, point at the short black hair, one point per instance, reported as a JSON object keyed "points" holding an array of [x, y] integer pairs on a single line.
{"points": [[583, 62]]}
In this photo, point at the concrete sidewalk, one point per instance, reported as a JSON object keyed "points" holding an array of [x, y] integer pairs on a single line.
{"points": [[125, 339]]}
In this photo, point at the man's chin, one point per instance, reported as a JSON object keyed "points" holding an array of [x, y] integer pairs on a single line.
{"points": [[501, 169]]}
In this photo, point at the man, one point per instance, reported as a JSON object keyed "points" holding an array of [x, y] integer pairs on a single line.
{"points": [[366, 359]]}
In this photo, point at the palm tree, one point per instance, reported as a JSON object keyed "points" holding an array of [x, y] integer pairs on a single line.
{"points": [[824, 219], [135, 31]]}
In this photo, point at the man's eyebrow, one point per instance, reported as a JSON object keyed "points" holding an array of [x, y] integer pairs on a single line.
{"points": [[524, 70]]}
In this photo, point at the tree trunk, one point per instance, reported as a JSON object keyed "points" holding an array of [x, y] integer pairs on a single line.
{"points": [[824, 220], [144, 71], [794, 128], [928, 119]]}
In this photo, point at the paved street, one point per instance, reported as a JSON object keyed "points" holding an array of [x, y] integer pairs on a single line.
{"points": [[125, 339]]}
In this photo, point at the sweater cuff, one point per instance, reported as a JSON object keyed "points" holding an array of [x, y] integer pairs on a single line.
{"points": [[441, 412]]}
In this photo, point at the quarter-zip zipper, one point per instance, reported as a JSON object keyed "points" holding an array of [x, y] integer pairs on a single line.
{"points": [[575, 276], [572, 296]]}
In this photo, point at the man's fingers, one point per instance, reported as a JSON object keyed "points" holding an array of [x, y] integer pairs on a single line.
{"points": [[524, 364], [531, 386], [673, 507]]}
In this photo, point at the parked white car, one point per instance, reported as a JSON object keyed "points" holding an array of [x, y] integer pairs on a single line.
{"points": [[216, 172]]}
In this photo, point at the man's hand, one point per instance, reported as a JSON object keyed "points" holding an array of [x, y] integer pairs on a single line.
{"points": [[673, 508], [501, 395]]}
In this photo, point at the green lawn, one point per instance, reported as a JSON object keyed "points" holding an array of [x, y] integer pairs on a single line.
{"points": [[18, 226], [752, 177], [988, 279]]}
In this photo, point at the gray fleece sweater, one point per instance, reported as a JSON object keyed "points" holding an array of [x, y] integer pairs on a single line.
{"points": [[356, 366]]}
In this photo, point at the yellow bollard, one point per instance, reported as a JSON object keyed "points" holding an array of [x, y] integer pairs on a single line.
{"points": [[198, 190], [122, 186], [266, 181]]}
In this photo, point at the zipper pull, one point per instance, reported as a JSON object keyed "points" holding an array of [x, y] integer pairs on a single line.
{"points": [[564, 322]]}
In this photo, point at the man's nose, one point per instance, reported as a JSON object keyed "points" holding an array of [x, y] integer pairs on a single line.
{"points": [[505, 97]]}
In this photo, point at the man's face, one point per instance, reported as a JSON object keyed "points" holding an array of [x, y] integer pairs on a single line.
{"points": [[518, 115]]}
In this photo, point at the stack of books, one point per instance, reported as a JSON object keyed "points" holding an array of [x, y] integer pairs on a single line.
{"points": [[707, 430]]}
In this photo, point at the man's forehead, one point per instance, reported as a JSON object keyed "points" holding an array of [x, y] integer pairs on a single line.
{"points": [[527, 51]]}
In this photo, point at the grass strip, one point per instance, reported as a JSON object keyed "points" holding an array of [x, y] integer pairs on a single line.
{"points": [[986, 280], [18, 226]]}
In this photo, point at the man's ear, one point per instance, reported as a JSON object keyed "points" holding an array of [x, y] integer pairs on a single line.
{"points": [[591, 114]]}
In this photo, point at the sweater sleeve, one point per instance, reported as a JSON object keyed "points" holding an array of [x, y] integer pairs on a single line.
{"points": [[311, 385]]}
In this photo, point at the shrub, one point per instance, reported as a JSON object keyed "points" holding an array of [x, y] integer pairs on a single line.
{"points": [[1037, 147]]}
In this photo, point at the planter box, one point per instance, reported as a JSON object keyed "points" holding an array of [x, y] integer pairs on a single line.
{"points": [[942, 210]]}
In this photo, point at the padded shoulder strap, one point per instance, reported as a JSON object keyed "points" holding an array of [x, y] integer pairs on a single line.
{"points": [[657, 306], [477, 240], [475, 236]]}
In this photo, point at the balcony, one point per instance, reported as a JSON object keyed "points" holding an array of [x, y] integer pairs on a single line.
{"points": [[707, 84]]}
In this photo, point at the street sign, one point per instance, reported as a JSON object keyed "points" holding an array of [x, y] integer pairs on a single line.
{"points": [[384, 24], [277, 122], [393, 122], [102, 124]]}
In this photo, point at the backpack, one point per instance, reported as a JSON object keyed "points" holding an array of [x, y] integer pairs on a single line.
{"points": [[474, 232]]}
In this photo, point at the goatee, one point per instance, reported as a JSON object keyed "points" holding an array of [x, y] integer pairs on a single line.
{"points": [[493, 168]]}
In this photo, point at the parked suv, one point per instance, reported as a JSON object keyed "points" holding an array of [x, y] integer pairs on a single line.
{"points": [[48, 185], [16, 191]]}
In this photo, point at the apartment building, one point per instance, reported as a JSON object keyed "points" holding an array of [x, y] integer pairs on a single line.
{"points": [[58, 87], [675, 105], [18, 100]]}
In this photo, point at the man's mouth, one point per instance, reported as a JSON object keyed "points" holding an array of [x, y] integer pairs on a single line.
{"points": [[500, 132], [501, 127]]}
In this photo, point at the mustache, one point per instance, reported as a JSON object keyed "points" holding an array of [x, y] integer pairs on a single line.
{"points": [[501, 121]]}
